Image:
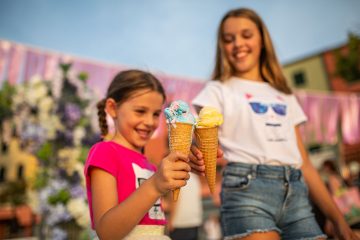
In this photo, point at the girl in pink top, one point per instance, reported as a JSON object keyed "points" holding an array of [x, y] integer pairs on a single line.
{"points": [[123, 187]]}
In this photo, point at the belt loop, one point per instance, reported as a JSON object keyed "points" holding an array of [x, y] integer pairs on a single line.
{"points": [[254, 170], [299, 174], [287, 173]]}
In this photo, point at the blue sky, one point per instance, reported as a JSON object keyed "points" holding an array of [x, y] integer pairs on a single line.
{"points": [[172, 36]]}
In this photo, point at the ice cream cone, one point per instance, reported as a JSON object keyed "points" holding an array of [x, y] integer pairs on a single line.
{"points": [[207, 141], [180, 136]]}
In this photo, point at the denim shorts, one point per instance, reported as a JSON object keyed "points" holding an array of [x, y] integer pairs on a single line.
{"points": [[263, 198]]}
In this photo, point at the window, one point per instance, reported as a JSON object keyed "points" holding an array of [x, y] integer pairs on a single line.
{"points": [[20, 172], [299, 79], [2, 174]]}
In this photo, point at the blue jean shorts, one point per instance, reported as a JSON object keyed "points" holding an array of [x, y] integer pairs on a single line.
{"points": [[263, 198]]}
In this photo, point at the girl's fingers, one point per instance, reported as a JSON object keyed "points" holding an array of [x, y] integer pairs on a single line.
{"points": [[196, 152], [200, 173], [195, 160], [176, 156], [197, 167], [220, 153], [181, 166], [179, 183], [180, 175]]}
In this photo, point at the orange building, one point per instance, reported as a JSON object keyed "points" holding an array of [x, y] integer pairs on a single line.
{"points": [[337, 83]]}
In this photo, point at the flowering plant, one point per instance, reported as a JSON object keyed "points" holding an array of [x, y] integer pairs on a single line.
{"points": [[55, 121], [6, 93]]}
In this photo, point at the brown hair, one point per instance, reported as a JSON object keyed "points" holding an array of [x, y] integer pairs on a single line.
{"points": [[270, 69], [122, 87]]}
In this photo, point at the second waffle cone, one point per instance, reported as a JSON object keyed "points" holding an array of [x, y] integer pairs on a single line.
{"points": [[180, 140], [207, 141]]}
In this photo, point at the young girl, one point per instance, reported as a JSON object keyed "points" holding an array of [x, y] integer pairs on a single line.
{"points": [[123, 187], [264, 195]]}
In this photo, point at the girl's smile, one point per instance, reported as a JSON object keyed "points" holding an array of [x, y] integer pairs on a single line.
{"points": [[144, 133]]}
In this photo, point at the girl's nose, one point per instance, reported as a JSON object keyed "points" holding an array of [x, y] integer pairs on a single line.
{"points": [[149, 120], [238, 41]]}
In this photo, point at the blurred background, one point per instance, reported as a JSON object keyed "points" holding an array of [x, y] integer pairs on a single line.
{"points": [[57, 58]]}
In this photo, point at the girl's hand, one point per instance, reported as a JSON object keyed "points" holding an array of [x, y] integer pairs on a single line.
{"points": [[343, 232], [172, 173], [197, 161]]}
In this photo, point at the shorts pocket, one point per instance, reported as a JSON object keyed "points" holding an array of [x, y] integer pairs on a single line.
{"points": [[232, 182], [302, 186]]}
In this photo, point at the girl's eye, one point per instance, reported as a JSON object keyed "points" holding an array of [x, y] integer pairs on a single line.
{"points": [[157, 114], [228, 38], [247, 34], [140, 111]]}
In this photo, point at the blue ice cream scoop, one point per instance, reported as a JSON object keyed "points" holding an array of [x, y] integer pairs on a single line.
{"points": [[179, 111]]}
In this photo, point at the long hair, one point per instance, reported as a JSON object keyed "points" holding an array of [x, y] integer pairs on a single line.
{"points": [[270, 69], [122, 87]]}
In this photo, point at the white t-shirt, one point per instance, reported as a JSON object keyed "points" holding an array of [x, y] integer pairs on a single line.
{"points": [[189, 211], [259, 121]]}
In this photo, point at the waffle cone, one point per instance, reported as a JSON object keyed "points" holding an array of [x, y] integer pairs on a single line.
{"points": [[207, 141], [180, 137]]}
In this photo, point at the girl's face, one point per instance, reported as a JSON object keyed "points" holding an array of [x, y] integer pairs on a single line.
{"points": [[242, 45], [136, 119]]}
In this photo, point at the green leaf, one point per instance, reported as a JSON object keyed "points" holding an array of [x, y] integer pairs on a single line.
{"points": [[83, 76], [83, 154], [63, 196], [45, 152], [65, 67], [6, 95], [348, 65], [41, 180]]}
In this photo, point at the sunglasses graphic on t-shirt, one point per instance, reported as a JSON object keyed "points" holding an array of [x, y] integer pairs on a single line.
{"points": [[270, 115], [261, 108]]}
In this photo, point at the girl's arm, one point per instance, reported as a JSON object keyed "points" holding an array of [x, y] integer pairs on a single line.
{"points": [[320, 195], [115, 221]]}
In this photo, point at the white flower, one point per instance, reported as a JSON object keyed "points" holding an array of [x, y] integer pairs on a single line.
{"points": [[86, 93], [33, 200], [83, 220], [19, 97], [79, 134], [69, 153], [37, 90], [72, 76], [56, 84], [51, 124], [45, 104], [79, 167], [35, 80], [57, 213], [69, 159], [78, 209], [57, 184]]}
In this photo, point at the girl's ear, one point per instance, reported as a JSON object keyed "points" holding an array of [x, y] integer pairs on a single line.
{"points": [[110, 107]]}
